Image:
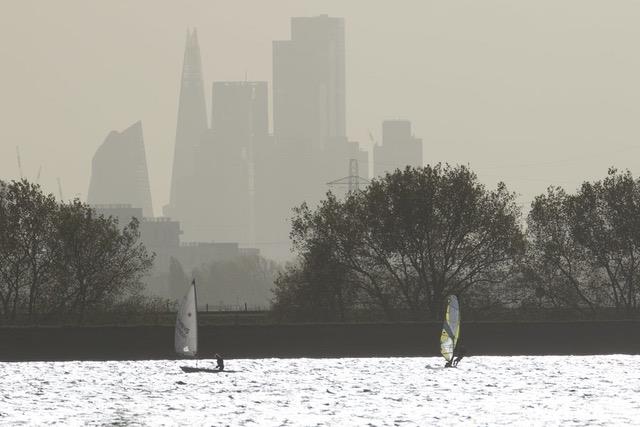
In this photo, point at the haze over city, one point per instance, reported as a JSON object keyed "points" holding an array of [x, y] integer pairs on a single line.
{"points": [[533, 93], [306, 212]]}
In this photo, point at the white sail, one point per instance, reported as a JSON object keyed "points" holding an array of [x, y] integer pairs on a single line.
{"points": [[186, 335], [450, 328]]}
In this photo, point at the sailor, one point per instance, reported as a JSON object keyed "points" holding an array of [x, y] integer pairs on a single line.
{"points": [[458, 354], [220, 365]]}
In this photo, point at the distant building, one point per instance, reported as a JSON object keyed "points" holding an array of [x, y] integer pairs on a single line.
{"points": [[309, 101], [239, 112], [309, 146], [192, 123], [161, 236], [399, 148], [196, 254], [250, 252], [236, 183], [123, 212], [223, 208], [119, 171], [226, 162]]}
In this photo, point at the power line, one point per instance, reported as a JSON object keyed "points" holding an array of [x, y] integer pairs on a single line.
{"points": [[353, 180]]}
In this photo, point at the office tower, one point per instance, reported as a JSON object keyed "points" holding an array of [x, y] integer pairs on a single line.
{"points": [[309, 84], [240, 112], [119, 171], [225, 165], [192, 123], [309, 147], [399, 148]]}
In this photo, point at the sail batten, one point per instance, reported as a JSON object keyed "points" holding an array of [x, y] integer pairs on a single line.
{"points": [[186, 332], [450, 328]]}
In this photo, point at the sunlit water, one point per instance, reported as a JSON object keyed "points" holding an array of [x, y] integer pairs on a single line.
{"points": [[593, 390]]}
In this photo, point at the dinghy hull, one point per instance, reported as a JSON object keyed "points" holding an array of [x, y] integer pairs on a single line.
{"points": [[191, 369]]}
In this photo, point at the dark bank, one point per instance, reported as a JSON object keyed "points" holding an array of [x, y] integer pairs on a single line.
{"points": [[320, 340]]}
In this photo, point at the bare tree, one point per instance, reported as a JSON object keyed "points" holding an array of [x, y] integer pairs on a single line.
{"points": [[96, 263], [584, 249], [417, 235], [25, 230], [63, 258], [557, 268]]}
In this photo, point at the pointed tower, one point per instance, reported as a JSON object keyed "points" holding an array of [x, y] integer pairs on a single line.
{"points": [[192, 123]]}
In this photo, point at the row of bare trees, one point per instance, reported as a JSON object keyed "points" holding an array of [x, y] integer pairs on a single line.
{"points": [[61, 259], [415, 236], [584, 248]]}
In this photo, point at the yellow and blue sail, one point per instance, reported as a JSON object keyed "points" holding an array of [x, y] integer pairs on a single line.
{"points": [[450, 328]]}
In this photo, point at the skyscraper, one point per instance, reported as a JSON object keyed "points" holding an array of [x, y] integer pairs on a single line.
{"points": [[310, 147], [119, 171], [239, 111], [192, 123], [399, 148], [309, 84], [225, 162]]}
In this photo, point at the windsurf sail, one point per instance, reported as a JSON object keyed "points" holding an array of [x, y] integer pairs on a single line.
{"points": [[450, 328], [186, 335]]}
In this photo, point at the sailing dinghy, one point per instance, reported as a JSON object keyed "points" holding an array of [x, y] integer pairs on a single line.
{"points": [[450, 329], [186, 334]]}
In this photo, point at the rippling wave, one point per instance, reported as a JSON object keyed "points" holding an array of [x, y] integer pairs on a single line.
{"points": [[549, 390]]}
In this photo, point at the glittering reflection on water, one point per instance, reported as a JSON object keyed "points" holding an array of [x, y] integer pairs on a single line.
{"points": [[588, 390]]}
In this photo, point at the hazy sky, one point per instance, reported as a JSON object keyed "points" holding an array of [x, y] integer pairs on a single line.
{"points": [[534, 93]]}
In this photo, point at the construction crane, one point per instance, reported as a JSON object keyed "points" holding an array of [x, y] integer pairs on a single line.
{"points": [[20, 166], [60, 189], [19, 162], [372, 139]]}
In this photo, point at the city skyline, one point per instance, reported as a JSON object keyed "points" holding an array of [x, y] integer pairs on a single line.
{"points": [[294, 189], [559, 92], [233, 181]]}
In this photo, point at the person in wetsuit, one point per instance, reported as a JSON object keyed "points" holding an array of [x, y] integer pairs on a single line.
{"points": [[458, 354], [220, 365]]}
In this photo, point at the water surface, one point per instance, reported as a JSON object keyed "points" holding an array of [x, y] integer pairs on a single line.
{"points": [[589, 390]]}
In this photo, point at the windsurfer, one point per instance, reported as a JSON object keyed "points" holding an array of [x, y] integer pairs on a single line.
{"points": [[220, 365]]}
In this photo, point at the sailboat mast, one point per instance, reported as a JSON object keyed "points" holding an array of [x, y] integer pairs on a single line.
{"points": [[195, 313]]}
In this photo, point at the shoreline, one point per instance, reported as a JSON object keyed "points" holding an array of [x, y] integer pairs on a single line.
{"points": [[58, 343]]}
